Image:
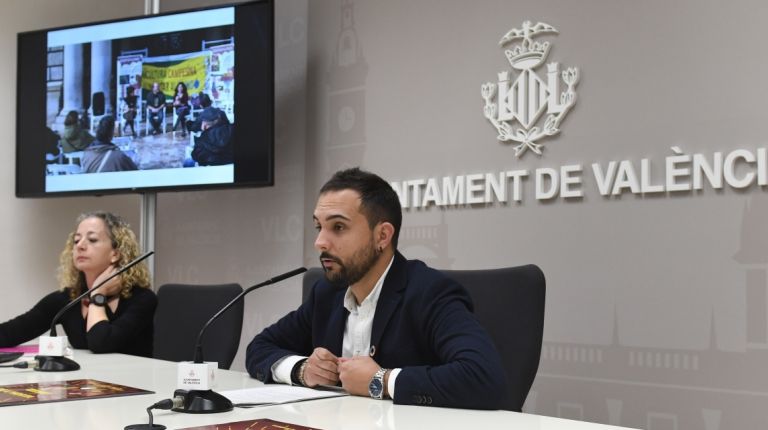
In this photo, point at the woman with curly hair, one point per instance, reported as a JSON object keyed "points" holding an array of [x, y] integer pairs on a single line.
{"points": [[118, 316]]}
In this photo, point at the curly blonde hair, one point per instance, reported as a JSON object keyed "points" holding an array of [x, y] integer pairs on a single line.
{"points": [[123, 240]]}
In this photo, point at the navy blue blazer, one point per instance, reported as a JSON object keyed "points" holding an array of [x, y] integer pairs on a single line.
{"points": [[423, 324]]}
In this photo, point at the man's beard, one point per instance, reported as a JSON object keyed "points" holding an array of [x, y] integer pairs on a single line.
{"points": [[354, 270]]}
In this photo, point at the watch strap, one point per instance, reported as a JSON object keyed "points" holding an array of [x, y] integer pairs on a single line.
{"points": [[378, 377], [297, 373]]}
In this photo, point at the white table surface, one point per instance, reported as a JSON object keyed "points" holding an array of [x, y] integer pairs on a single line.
{"points": [[160, 376]]}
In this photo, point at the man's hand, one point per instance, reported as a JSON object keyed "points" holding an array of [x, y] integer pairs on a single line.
{"points": [[321, 368], [355, 374]]}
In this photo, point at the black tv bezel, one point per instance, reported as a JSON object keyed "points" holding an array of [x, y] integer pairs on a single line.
{"points": [[263, 87]]}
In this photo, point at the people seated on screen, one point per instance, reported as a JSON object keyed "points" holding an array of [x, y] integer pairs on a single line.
{"points": [[194, 125], [156, 108], [121, 320], [214, 145], [181, 105], [104, 156], [51, 144], [378, 324], [74, 138], [129, 115]]}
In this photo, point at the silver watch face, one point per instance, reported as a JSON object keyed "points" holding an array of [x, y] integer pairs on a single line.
{"points": [[376, 388]]}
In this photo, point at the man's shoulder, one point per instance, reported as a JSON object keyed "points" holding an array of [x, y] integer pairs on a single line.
{"points": [[421, 279], [323, 288], [420, 270], [426, 286], [221, 130]]}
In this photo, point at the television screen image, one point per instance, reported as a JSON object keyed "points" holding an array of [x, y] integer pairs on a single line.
{"points": [[148, 103]]}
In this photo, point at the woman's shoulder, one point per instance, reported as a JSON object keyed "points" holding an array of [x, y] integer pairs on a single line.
{"points": [[56, 298], [143, 294], [83, 134], [71, 131]]}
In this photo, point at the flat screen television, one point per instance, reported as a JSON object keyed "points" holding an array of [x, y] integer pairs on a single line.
{"points": [[191, 95]]}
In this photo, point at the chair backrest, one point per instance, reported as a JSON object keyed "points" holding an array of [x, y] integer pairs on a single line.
{"points": [[310, 277], [509, 303], [182, 310], [97, 103]]}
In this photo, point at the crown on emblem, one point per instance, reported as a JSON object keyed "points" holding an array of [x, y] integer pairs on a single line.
{"points": [[522, 57], [528, 54]]}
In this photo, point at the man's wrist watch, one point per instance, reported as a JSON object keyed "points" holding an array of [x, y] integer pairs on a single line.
{"points": [[297, 374], [376, 386], [99, 300]]}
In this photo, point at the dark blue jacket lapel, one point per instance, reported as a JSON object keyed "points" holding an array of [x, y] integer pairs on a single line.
{"points": [[336, 323], [390, 297]]}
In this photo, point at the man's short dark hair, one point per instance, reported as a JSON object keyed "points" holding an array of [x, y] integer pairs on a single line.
{"points": [[106, 129], [378, 201]]}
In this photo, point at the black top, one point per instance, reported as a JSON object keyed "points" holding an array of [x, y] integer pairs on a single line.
{"points": [[129, 330], [155, 100], [214, 146], [130, 101]]}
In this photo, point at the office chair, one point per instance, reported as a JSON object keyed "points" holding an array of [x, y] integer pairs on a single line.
{"points": [[509, 304], [182, 310], [308, 281], [63, 163]]}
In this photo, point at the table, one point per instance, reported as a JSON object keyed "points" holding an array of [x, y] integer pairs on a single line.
{"points": [[349, 412]]}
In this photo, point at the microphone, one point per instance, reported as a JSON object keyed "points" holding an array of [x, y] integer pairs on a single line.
{"points": [[208, 401], [56, 362]]}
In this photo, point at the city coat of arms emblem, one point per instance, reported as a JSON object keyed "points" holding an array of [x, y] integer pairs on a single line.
{"points": [[529, 108]]}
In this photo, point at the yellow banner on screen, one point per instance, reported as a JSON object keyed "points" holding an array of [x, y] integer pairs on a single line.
{"points": [[192, 72]]}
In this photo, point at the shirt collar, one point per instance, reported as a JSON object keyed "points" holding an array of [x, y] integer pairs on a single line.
{"points": [[373, 297]]}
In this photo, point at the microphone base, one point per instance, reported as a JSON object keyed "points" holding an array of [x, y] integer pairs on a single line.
{"points": [[202, 402], [145, 427], [47, 363]]}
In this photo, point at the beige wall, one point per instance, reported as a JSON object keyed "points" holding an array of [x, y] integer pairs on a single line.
{"points": [[656, 304], [656, 309], [248, 235], [35, 229]]}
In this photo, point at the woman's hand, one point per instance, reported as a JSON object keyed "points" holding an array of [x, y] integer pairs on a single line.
{"points": [[96, 314], [111, 288]]}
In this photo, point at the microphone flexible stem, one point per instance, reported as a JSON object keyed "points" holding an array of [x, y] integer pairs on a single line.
{"points": [[69, 305], [199, 343]]}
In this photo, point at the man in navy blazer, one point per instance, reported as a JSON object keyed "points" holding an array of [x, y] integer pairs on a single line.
{"points": [[379, 324]]}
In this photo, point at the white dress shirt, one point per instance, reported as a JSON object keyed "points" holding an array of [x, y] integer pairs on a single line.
{"points": [[357, 334]]}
